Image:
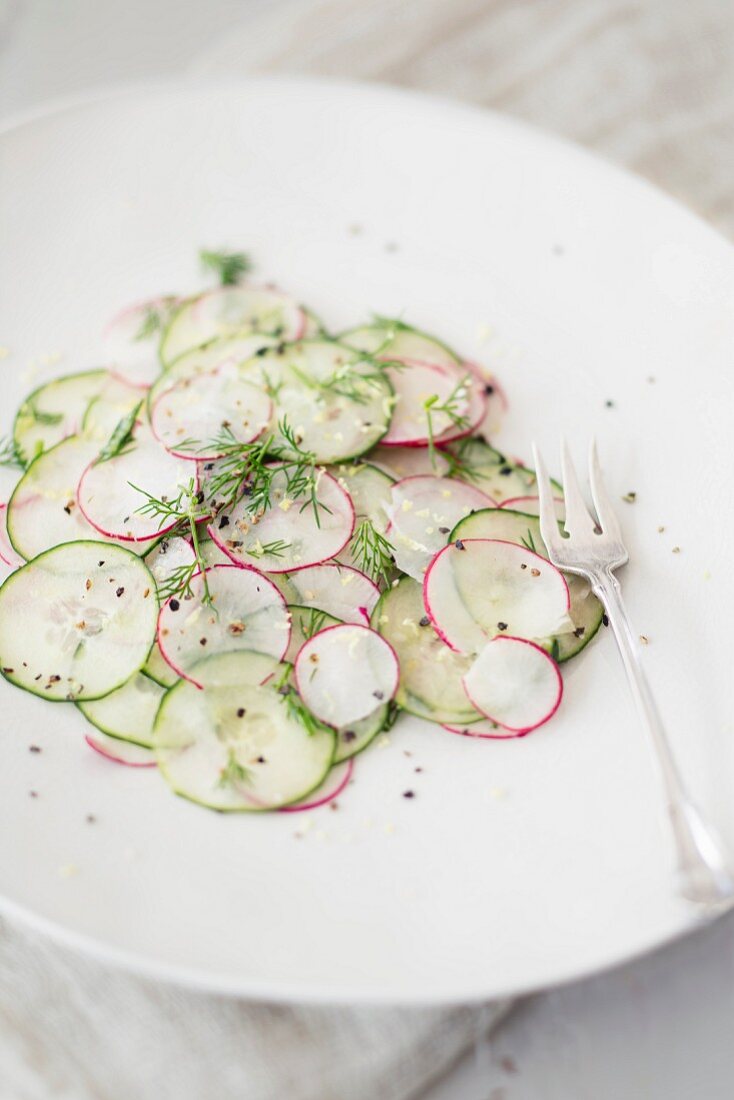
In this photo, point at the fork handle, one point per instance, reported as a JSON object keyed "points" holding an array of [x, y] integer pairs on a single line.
{"points": [[702, 865]]}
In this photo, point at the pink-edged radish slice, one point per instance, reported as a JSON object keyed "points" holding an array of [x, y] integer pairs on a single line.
{"points": [[290, 535], [414, 384], [8, 554], [475, 412], [476, 589], [111, 493], [229, 311], [335, 782], [120, 752], [168, 558], [400, 462], [530, 506], [130, 340], [515, 683], [43, 510], [423, 512], [495, 397], [198, 410], [346, 672], [484, 729], [339, 590], [243, 611]]}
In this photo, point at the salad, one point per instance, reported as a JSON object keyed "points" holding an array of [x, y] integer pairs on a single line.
{"points": [[246, 544]]}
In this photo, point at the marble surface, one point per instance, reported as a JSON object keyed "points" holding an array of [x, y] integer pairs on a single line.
{"points": [[649, 84]]}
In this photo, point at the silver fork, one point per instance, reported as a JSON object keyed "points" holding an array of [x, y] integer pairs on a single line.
{"points": [[594, 550]]}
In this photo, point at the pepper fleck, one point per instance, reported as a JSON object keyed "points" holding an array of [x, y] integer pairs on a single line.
{"points": [[223, 522], [444, 530], [579, 632], [240, 712], [502, 626], [408, 794], [605, 619], [459, 544], [174, 605], [202, 641], [119, 591], [609, 404], [34, 748], [425, 621]]}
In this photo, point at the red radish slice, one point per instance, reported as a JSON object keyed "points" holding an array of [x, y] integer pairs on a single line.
{"points": [[111, 493], [345, 672], [8, 554], [120, 752], [475, 412], [515, 683], [130, 340], [495, 397], [230, 311], [484, 729], [197, 410], [290, 535], [476, 589], [400, 462], [333, 785], [168, 557], [339, 590], [423, 513], [530, 506], [414, 384], [247, 612]]}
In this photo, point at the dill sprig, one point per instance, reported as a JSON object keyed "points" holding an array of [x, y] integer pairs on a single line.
{"points": [[9, 453], [121, 437], [185, 510], [461, 462], [372, 552], [229, 267], [178, 582], [151, 323], [38, 416], [316, 620], [449, 407], [276, 549], [357, 386], [294, 705], [233, 772]]}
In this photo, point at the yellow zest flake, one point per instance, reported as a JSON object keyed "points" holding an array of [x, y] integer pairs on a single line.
{"points": [[406, 505], [285, 504], [424, 513]]}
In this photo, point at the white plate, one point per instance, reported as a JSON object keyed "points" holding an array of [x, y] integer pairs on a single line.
{"points": [[517, 864]]}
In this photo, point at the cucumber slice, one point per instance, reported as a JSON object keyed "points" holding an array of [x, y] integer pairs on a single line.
{"points": [[423, 511], [231, 311], [54, 411], [325, 673], [235, 349], [475, 589], [586, 612], [131, 338], [515, 683], [338, 404], [9, 556], [430, 673], [235, 745], [43, 510], [77, 622], [342, 591], [193, 413], [129, 712], [369, 487], [393, 339], [488, 469], [158, 668], [120, 752], [400, 462], [355, 737], [114, 401], [305, 622], [228, 609], [291, 534]]}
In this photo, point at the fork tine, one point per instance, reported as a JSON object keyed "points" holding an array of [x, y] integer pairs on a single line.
{"points": [[604, 510], [546, 506], [577, 521]]}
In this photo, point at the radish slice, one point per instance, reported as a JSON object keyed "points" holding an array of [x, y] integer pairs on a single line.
{"points": [[530, 506], [331, 788], [475, 412], [345, 672], [483, 729], [77, 621], [515, 683], [235, 745], [423, 513], [496, 400], [247, 612], [130, 340], [43, 510], [369, 488], [290, 535], [230, 311], [168, 557], [157, 668], [305, 622], [54, 411], [228, 349], [127, 713], [402, 462], [414, 384], [111, 493], [120, 752], [339, 590], [197, 410], [478, 588], [8, 554]]}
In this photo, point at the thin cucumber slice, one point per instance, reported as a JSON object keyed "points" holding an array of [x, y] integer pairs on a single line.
{"points": [[338, 404], [352, 739], [488, 469], [393, 339], [9, 556], [77, 622], [430, 673], [305, 622], [292, 534], [515, 683], [235, 745], [400, 462], [586, 612], [129, 712], [369, 487], [475, 589], [43, 510], [54, 411], [226, 609], [344, 673], [230, 311], [130, 340], [115, 400], [158, 668], [226, 349], [342, 591]]}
